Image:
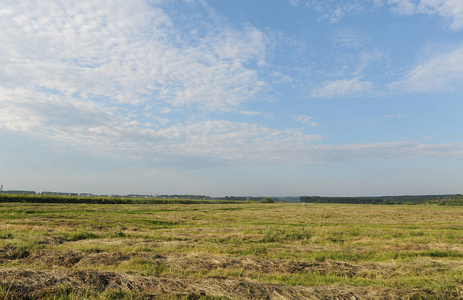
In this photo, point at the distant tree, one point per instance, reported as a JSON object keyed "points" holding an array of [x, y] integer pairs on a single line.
{"points": [[267, 200], [305, 199]]}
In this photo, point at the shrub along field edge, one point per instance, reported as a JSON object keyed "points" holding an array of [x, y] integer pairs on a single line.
{"points": [[8, 198]]}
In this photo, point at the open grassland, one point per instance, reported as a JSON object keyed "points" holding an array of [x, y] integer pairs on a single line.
{"points": [[230, 251]]}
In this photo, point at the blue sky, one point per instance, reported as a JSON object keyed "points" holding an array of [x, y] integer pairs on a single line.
{"points": [[288, 97]]}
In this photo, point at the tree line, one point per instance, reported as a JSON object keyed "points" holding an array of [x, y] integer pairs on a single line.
{"points": [[456, 199]]}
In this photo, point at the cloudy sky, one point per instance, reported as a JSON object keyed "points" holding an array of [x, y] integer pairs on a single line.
{"points": [[222, 97]]}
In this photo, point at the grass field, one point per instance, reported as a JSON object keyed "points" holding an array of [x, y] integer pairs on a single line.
{"points": [[230, 251]]}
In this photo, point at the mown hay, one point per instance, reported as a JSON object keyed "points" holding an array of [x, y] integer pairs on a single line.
{"points": [[32, 284], [72, 272]]}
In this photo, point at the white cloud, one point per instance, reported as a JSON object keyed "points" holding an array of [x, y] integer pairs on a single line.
{"points": [[234, 143], [334, 11], [90, 73], [127, 52], [397, 116], [257, 113], [404, 7], [56, 120], [330, 12], [441, 74], [449, 9], [334, 14], [306, 120], [92, 128], [114, 77], [109, 133], [391, 150], [343, 88]]}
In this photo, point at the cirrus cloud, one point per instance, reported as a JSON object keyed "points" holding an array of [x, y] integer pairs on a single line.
{"points": [[440, 74], [449, 9], [343, 88]]}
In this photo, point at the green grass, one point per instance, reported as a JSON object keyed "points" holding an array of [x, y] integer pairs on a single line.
{"points": [[401, 247]]}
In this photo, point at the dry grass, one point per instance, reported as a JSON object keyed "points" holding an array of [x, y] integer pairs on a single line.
{"points": [[28, 283], [230, 251]]}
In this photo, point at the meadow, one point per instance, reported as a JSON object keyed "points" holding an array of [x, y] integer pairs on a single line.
{"points": [[230, 251]]}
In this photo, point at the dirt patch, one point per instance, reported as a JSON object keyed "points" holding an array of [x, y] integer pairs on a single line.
{"points": [[33, 284]]}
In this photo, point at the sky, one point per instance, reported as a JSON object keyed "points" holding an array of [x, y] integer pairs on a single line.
{"points": [[222, 97]]}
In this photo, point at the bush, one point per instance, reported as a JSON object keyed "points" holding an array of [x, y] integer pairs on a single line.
{"points": [[267, 200]]}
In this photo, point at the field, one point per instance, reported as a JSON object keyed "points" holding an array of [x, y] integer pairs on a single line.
{"points": [[230, 251]]}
